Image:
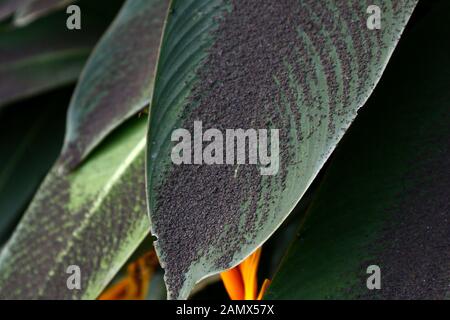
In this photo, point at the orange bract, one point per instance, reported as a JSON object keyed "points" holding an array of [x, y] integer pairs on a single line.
{"points": [[241, 281], [135, 285]]}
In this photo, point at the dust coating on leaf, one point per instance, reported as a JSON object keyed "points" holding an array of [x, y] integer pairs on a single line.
{"points": [[300, 66], [93, 218], [116, 82]]}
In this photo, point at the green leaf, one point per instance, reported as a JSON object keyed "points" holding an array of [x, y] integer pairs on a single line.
{"points": [[384, 198], [45, 54], [303, 67], [117, 81], [35, 9], [94, 218], [30, 141]]}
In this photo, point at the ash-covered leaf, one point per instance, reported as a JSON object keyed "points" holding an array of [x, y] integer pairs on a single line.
{"points": [[117, 80], [303, 67]]}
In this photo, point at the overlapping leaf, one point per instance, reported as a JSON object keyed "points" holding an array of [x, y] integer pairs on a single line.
{"points": [[8, 7], [116, 82], [93, 218], [45, 54], [27, 11], [304, 67], [34, 9], [384, 199]]}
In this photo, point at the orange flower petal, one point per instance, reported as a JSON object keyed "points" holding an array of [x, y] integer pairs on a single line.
{"points": [[234, 285], [136, 283], [241, 282], [263, 290], [249, 269], [116, 292]]}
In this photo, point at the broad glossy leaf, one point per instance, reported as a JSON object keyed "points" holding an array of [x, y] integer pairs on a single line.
{"points": [[116, 82], [30, 142], [304, 67], [45, 54], [34, 9], [384, 199], [94, 218]]}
